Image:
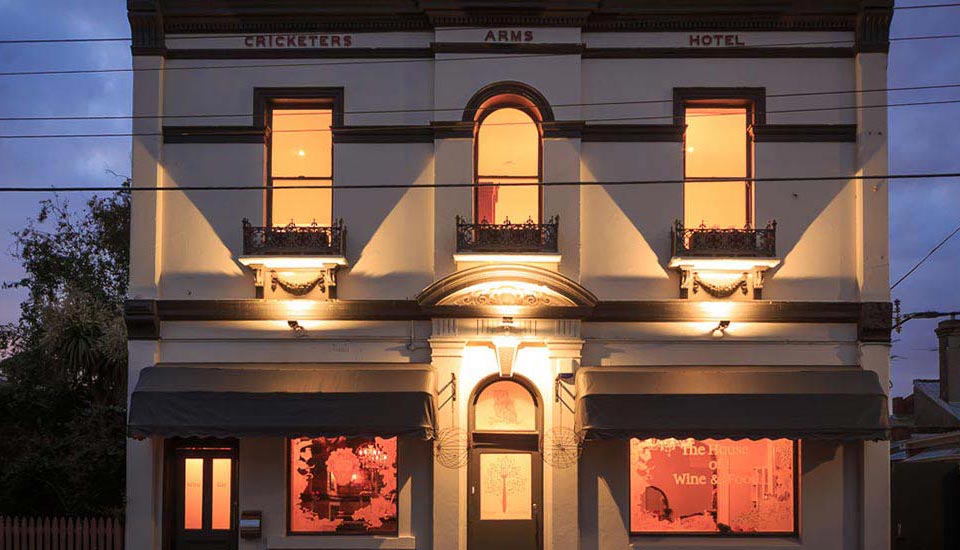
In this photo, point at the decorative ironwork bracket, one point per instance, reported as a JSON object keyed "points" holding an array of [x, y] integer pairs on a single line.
{"points": [[452, 386], [559, 389]]}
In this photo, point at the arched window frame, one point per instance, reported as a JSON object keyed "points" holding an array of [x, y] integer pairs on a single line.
{"points": [[490, 106]]}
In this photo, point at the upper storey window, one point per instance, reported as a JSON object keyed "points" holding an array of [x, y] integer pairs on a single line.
{"points": [[301, 156], [718, 145], [508, 152]]}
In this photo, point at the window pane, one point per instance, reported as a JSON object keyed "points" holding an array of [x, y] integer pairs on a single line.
{"points": [[193, 493], [716, 146], [502, 203], [505, 406], [343, 485], [712, 486], [508, 144], [505, 482], [301, 143], [220, 505], [302, 206]]}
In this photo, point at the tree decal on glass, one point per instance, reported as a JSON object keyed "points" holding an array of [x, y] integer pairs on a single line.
{"points": [[505, 486]]}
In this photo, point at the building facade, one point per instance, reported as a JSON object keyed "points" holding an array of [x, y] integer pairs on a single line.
{"points": [[519, 275]]}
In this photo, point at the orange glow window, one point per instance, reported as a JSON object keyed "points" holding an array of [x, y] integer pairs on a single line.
{"points": [[508, 152], [220, 502], [716, 146], [343, 485], [710, 486], [193, 493], [301, 155]]}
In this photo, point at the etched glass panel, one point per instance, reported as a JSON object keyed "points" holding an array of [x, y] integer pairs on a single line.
{"points": [[220, 501], [343, 485], [505, 406], [193, 493], [505, 486], [712, 486]]}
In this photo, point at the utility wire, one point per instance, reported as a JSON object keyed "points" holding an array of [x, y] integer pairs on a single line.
{"points": [[355, 62], [459, 109], [359, 129], [927, 257], [127, 39], [55, 189]]}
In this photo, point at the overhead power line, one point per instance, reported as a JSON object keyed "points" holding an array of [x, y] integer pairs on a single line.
{"points": [[459, 109], [370, 128], [356, 62], [876, 177], [927, 257]]}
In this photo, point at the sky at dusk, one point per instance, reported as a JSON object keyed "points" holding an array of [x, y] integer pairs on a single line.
{"points": [[922, 139]]}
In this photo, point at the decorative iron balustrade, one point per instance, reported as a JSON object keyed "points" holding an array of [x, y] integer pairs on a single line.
{"points": [[294, 240], [529, 237], [715, 242]]}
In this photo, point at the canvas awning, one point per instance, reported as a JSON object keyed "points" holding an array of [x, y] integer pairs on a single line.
{"points": [[301, 400], [822, 403]]}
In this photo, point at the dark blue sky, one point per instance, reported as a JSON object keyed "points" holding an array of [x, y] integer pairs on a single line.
{"points": [[922, 139]]}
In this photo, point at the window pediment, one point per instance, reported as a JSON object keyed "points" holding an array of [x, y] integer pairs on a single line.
{"points": [[507, 285]]}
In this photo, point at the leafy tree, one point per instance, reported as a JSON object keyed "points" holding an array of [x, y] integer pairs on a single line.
{"points": [[63, 373]]}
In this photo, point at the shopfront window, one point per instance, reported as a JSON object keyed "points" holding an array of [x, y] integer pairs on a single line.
{"points": [[343, 485], [709, 486]]}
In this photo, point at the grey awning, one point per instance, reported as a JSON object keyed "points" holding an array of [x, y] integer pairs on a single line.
{"points": [[283, 400], [736, 403]]}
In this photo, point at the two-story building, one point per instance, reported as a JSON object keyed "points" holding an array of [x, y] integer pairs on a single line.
{"points": [[466, 275]]}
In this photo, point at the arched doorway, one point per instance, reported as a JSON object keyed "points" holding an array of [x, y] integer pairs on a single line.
{"points": [[505, 474]]}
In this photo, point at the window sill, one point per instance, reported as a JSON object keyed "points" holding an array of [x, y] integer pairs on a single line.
{"points": [[292, 262], [755, 542], [731, 264], [307, 542]]}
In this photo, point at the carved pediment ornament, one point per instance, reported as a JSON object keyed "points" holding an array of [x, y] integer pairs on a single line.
{"points": [[505, 295]]}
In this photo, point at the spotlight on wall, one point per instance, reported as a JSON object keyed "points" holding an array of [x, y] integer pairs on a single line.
{"points": [[721, 329], [297, 328]]}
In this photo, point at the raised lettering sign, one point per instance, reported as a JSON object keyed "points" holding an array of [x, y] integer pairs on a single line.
{"points": [[715, 40], [298, 41], [508, 35]]}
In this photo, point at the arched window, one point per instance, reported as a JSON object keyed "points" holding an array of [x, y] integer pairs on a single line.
{"points": [[508, 152]]}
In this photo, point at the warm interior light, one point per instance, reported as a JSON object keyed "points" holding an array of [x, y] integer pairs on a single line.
{"points": [[508, 152], [293, 132], [220, 504], [193, 493], [719, 136]]}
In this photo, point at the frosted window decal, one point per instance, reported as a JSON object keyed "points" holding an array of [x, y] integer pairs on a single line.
{"points": [[343, 485], [220, 503], [712, 486], [193, 493], [505, 406], [505, 486]]}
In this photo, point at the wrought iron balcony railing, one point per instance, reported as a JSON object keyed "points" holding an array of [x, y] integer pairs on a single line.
{"points": [[727, 243], [498, 238], [294, 240]]}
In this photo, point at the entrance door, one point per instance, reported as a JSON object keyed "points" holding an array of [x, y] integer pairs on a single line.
{"points": [[505, 484], [202, 496]]}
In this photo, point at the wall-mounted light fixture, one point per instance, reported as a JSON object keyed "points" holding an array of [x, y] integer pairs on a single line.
{"points": [[505, 345], [721, 329], [297, 328]]}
